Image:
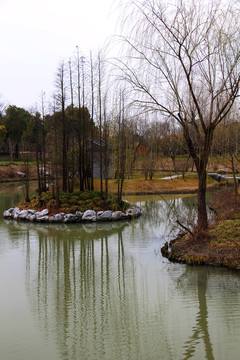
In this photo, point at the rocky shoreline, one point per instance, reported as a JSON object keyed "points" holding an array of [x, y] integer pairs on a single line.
{"points": [[78, 217]]}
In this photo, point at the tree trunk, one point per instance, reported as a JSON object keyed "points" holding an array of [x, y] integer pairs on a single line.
{"points": [[201, 204], [234, 176], [38, 173]]}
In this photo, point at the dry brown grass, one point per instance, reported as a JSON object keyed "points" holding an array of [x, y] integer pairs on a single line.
{"points": [[9, 172], [133, 186], [156, 186]]}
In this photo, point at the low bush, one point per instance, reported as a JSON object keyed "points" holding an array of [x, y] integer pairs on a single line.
{"points": [[76, 201]]}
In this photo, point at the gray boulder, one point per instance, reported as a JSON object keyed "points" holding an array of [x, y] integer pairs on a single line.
{"points": [[43, 212], [104, 215], [56, 218], [117, 215], [15, 213], [134, 212], [31, 217], [44, 218], [30, 211], [70, 218], [79, 213], [89, 215], [7, 214], [23, 214]]}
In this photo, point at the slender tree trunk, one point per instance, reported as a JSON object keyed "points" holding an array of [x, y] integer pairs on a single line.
{"points": [[84, 160], [44, 145], [38, 174], [56, 162], [92, 130], [100, 122], [234, 176], [71, 183], [201, 204], [64, 135], [26, 180], [80, 120], [105, 153]]}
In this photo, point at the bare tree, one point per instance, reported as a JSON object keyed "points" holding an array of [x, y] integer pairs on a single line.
{"points": [[121, 147], [61, 102], [43, 127], [100, 75], [184, 63], [92, 116], [226, 142]]}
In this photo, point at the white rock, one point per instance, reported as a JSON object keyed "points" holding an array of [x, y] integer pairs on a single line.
{"points": [[70, 218], [23, 214], [15, 213], [31, 217], [42, 218], [56, 218], [89, 215], [134, 212], [118, 215], [79, 213], [7, 214], [104, 215], [30, 211], [43, 212]]}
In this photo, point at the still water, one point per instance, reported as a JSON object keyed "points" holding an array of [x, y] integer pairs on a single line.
{"points": [[103, 291]]}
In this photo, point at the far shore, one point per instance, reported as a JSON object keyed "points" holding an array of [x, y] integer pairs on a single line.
{"points": [[132, 186], [209, 248]]}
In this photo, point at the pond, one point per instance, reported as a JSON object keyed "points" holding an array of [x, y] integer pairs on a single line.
{"points": [[104, 291]]}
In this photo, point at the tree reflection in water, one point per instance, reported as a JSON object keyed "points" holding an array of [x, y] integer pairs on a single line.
{"points": [[74, 291], [98, 291], [200, 328]]}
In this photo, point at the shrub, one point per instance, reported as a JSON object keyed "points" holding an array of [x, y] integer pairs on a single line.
{"points": [[64, 197], [77, 193], [73, 200], [96, 200], [84, 196], [46, 196], [52, 203]]}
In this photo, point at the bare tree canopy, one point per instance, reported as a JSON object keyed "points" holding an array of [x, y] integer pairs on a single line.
{"points": [[184, 62]]}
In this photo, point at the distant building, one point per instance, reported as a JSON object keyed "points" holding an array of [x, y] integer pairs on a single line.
{"points": [[96, 159], [142, 150]]}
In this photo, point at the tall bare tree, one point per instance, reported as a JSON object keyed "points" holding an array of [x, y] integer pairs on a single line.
{"points": [[100, 96], [61, 102], [184, 63]]}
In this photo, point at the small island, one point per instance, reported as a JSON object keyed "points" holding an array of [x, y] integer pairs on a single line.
{"points": [[73, 208]]}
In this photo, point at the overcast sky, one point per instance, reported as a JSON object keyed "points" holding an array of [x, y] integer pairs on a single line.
{"points": [[37, 34]]}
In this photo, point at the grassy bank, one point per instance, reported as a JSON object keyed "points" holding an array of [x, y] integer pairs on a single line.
{"points": [[220, 245]]}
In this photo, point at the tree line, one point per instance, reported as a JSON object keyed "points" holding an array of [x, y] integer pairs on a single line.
{"points": [[176, 91]]}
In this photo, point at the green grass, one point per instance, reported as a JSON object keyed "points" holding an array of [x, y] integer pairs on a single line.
{"points": [[77, 201], [227, 233]]}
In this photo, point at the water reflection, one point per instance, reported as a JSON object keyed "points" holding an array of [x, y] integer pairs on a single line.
{"points": [[102, 291], [201, 294], [200, 328], [79, 292], [11, 193]]}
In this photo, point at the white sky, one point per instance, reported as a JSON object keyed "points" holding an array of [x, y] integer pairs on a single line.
{"points": [[35, 35]]}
